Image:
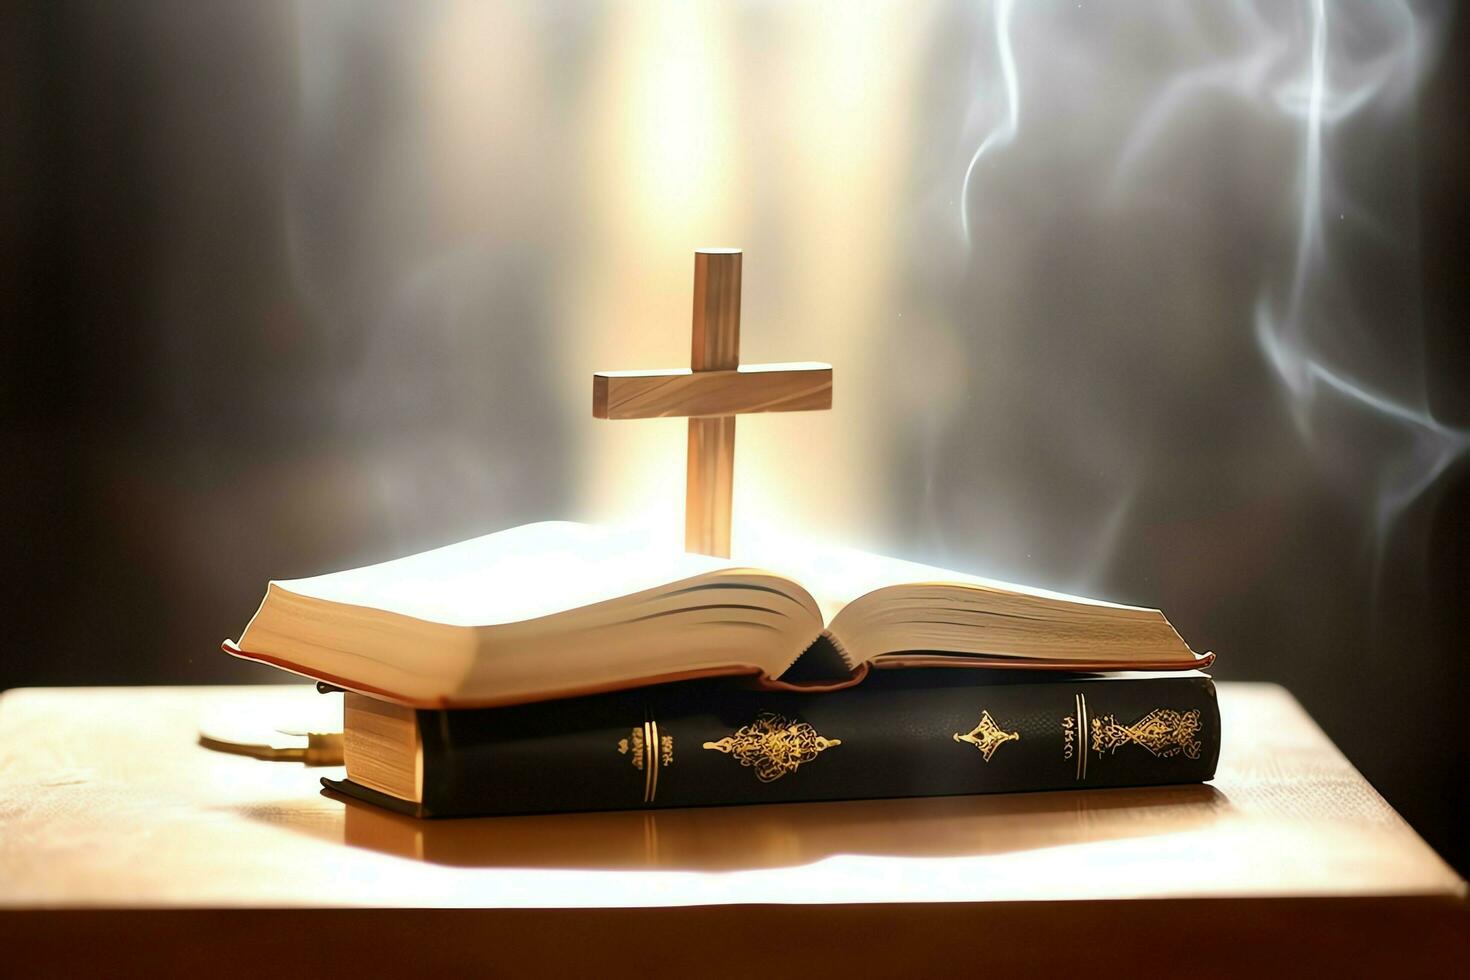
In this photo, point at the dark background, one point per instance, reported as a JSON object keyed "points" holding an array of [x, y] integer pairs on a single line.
{"points": [[205, 384]]}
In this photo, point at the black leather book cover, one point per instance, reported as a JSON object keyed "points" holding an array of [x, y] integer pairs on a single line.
{"points": [[900, 733]]}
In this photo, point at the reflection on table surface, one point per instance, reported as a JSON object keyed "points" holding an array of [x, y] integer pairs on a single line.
{"points": [[749, 837], [109, 801]]}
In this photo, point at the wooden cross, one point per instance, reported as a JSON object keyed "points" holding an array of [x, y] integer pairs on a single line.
{"points": [[711, 393]]}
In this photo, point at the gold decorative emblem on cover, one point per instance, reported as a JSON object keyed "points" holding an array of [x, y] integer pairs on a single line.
{"points": [[987, 736], [774, 745], [1163, 731]]}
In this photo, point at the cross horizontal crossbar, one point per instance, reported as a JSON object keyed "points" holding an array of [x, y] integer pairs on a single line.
{"points": [[800, 387]]}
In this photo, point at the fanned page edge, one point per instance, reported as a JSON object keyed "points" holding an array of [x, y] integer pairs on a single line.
{"points": [[792, 590], [904, 661], [920, 656], [759, 678], [234, 650]]}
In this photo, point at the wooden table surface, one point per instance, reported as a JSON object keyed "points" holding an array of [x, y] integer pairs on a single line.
{"points": [[116, 825]]}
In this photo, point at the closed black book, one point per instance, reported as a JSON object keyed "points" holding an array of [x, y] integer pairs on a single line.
{"points": [[915, 732]]}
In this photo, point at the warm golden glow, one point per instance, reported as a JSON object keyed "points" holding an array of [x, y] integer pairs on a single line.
{"points": [[661, 178], [844, 86], [674, 167], [483, 90]]}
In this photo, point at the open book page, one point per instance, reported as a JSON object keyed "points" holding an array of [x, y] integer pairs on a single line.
{"points": [[835, 576], [556, 609], [510, 576], [911, 614], [544, 610]]}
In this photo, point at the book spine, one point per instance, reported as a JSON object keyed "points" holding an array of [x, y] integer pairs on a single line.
{"points": [[901, 733]]}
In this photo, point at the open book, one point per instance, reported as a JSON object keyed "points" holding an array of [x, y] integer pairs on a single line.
{"points": [[558, 609]]}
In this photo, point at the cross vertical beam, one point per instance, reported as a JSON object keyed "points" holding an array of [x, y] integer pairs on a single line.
{"points": [[715, 346]]}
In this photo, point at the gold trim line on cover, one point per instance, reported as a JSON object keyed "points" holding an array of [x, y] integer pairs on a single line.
{"points": [[987, 736], [1164, 732], [650, 769], [648, 751], [774, 745], [1081, 735]]}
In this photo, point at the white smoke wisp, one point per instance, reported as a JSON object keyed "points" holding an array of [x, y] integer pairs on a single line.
{"points": [[1284, 328], [1311, 96], [1003, 131]]}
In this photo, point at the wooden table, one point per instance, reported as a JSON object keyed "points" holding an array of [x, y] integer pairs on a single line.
{"points": [[124, 845]]}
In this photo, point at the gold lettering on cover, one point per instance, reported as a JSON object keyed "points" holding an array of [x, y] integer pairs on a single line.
{"points": [[1069, 738], [987, 736], [1164, 732], [633, 744], [774, 745]]}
